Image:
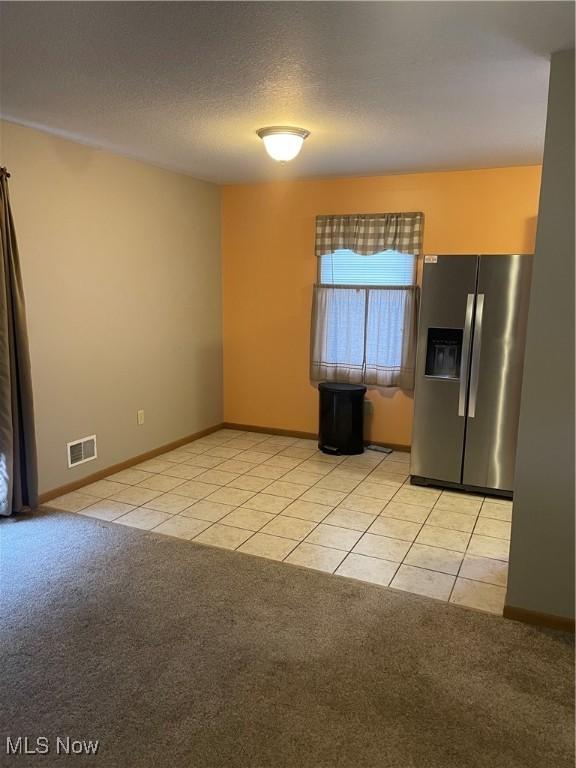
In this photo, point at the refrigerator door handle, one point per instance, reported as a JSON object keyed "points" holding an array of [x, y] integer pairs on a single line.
{"points": [[475, 365], [464, 361]]}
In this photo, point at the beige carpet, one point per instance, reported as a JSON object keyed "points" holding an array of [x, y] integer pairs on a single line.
{"points": [[173, 654]]}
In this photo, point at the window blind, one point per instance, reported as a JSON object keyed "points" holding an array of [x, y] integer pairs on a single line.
{"points": [[344, 267]]}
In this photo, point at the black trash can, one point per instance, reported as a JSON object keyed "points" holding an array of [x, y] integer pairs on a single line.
{"points": [[341, 429]]}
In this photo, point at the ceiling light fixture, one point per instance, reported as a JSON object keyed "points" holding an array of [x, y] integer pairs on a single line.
{"points": [[283, 142]]}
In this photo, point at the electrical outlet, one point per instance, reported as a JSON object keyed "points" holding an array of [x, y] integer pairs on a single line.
{"points": [[140, 417]]}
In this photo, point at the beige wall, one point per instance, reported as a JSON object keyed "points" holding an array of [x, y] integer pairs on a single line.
{"points": [[121, 268]]}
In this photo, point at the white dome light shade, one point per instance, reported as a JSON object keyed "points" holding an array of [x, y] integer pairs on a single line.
{"points": [[283, 143]]}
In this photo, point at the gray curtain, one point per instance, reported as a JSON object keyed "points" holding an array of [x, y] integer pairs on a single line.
{"points": [[18, 469]]}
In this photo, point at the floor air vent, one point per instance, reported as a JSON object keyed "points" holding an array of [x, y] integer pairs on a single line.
{"points": [[82, 450]]}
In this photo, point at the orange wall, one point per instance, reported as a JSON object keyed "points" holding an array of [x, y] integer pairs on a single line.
{"points": [[269, 268]]}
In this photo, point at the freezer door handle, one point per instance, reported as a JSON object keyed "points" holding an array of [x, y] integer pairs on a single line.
{"points": [[464, 361], [475, 365]]}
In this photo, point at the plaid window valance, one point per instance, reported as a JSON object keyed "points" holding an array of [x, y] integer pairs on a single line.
{"points": [[369, 233]]}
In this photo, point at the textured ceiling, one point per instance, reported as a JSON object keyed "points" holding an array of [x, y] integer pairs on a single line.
{"points": [[384, 87]]}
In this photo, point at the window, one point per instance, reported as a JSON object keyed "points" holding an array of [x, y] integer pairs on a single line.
{"points": [[364, 318]]}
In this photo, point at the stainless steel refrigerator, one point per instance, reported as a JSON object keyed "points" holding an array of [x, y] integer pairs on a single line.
{"points": [[471, 338]]}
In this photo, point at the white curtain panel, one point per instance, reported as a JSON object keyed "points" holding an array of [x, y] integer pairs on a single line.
{"points": [[338, 325], [390, 338], [364, 336]]}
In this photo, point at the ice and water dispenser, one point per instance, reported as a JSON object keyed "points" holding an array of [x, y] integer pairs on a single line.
{"points": [[444, 353]]}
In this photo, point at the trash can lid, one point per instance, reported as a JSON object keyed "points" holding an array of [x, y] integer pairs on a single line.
{"points": [[329, 386]]}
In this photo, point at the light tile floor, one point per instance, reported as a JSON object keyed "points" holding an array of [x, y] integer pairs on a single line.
{"points": [[281, 498]]}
